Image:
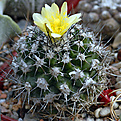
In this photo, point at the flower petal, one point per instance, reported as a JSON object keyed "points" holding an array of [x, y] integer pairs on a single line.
{"points": [[55, 35], [64, 9], [47, 7], [46, 13], [43, 12], [38, 17], [41, 26], [55, 9], [49, 26], [48, 10], [39, 21], [70, 21], [74, 18]]}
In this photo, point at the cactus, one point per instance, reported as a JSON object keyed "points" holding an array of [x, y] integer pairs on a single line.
{"points": [[63, 73], [59, 76]]}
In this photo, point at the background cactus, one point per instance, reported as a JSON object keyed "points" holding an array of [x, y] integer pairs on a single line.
{"points": [[60, 76]]}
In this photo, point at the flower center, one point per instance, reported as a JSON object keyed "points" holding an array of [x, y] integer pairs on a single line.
{"points": [[57, 21], [58, 24]]}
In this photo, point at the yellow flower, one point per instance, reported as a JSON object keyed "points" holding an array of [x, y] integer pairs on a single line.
{"points": [[53, 22]]}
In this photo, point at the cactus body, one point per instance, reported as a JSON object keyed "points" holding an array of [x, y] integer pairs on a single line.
{"points": [[64, 76]]}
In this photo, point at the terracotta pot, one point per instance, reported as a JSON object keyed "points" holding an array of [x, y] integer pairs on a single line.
{"points": [[6, 118], [72, 4]]}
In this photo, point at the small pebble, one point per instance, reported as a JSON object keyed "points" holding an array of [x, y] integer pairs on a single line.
{"points": [[20, 119], [99, 120], [117, 40], [113, 12], [41, 120], [117, 65], [118, 85], [97, 112], [2, 100], [120, 70], [15, 107], [118, 112], [114, 69], [118, 79], [96, 9], [3, 96], [115, 55], [105, 111], [86, 7], [117, 93], [73, 119], [119, 7], [4, 110], [115, 105], [111, 26], [16, 38], [14, 115], [90, 119], [10, 107], [29, 117], [27, 106], [83, 115], [1, 63], [120, 107], [118, 17], [5, 105], [93, 17], [105, 15]]}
